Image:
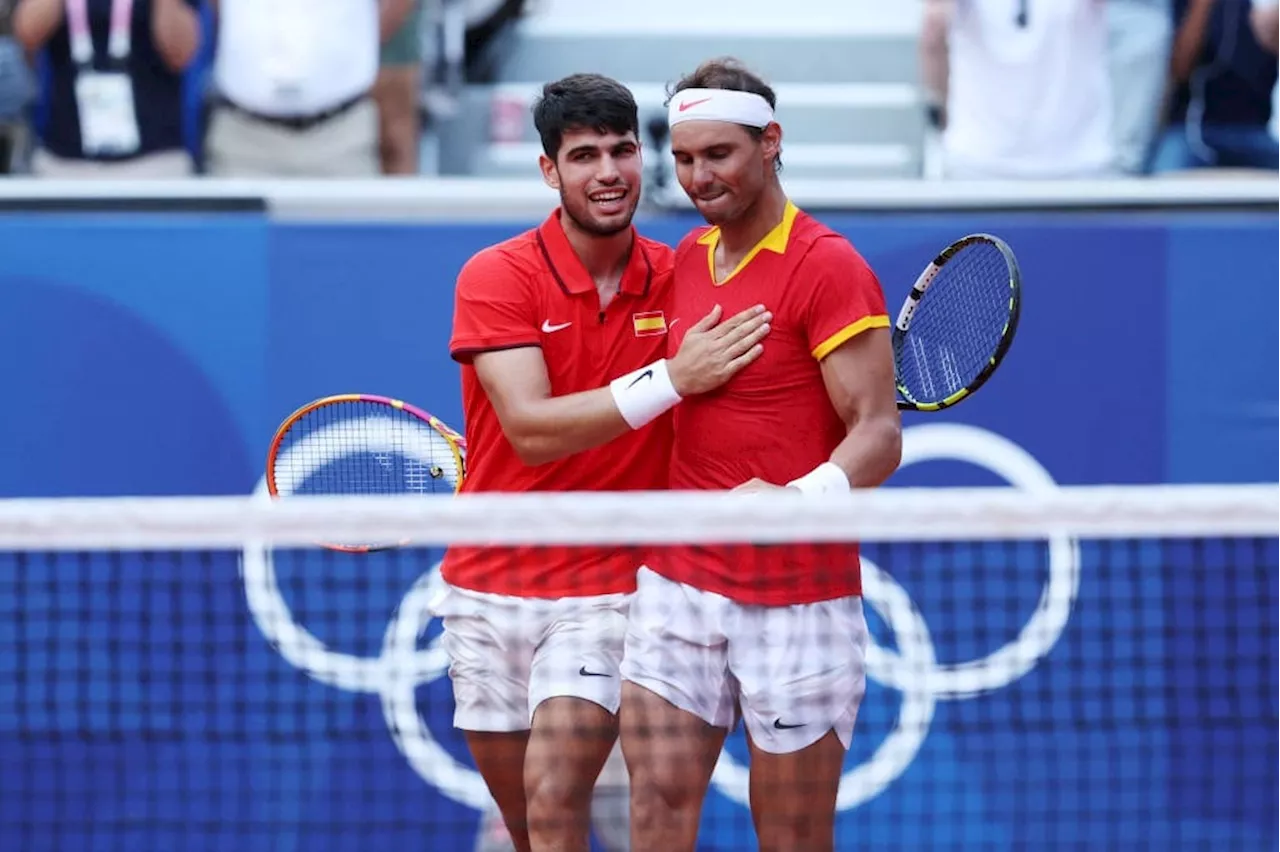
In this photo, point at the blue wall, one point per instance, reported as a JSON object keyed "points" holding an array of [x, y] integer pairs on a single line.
{"points": [[191, 336], [154, 354]]}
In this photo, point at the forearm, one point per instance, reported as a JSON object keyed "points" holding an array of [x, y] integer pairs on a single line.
{"points": [[553, 428], [934, 67], [543, 427], [868, 455], [870, 452], [1189, 40], [1266, 27], [934, 55], [547, 429], [175, 28], [392, 15], [34, 21]]}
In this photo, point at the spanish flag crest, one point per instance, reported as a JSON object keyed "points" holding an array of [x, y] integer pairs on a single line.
{"points": [[649, 323]]}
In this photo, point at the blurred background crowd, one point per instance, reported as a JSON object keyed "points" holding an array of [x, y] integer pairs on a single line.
{"points": [[964, 89]]}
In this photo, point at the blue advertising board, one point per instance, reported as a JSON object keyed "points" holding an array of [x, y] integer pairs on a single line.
{"points": [[147, 354]]}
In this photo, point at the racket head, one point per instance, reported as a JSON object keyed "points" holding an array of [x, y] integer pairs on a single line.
{"points": [[364, 444], [957, 323]]}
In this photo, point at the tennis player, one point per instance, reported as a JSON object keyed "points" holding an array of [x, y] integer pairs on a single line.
{"points": [[772, 636], [562, 336]]}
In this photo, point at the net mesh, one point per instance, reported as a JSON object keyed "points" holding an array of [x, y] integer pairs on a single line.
{"points": [[1081, 669]]}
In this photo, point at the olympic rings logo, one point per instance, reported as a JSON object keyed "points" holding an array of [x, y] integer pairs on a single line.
{"points": [[401, 667]]}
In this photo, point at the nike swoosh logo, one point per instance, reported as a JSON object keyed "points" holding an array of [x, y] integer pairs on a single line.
{"points": [[647, 374], [777, 723], [583, 671], [547, 327], [672, 324], [684, 105]]}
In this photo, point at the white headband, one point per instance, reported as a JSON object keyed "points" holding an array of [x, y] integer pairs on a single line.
{"points": [[719, 105]]}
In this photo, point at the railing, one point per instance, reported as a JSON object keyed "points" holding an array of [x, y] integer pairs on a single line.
{"points": [[471, 199]]}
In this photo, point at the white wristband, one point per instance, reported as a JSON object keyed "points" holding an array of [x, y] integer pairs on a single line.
{"points": [[645, 394], [826, 478]]}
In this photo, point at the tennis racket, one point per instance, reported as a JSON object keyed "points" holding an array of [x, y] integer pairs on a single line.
{"points": [[364, 444], [957, 323]]}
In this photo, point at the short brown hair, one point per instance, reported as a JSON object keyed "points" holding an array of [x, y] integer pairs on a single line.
{"points": [[726, 72]]}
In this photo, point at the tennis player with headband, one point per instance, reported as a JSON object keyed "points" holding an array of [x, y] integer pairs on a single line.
{"points": [[561, 333], [773, 635]]}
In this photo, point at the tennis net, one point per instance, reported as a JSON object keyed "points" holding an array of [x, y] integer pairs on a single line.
{"points": [[1080, 668]]}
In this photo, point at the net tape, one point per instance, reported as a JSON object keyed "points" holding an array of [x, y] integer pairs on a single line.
{"points": [[595, 518]]}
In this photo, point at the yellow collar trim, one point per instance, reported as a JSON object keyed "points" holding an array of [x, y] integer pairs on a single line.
{"points": [[775, 241]]}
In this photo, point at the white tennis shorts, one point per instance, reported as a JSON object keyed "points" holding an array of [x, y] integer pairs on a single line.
{"points": [[509, 654], [791, 673]]}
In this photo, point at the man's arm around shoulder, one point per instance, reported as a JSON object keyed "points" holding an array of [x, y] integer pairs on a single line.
{"points": [[543, 428]]}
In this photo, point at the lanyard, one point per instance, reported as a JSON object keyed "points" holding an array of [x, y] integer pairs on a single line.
{"points": [[120, 40]]}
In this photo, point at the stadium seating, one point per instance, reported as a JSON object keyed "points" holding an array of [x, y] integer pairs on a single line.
{"points": [[845, 72]]}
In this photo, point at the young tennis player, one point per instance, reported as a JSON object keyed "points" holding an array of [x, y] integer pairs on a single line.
{"points": [[562, 336], [774, 634]]}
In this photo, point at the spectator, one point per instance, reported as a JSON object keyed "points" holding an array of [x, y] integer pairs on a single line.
{"points": [[17, 89], [293, 84], [398, 93], [1020, 89], [115, 84], [1141, 37], [1222, 80]]}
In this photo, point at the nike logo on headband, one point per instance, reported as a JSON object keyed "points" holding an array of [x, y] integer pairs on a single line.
{"points": [[684, 105]]}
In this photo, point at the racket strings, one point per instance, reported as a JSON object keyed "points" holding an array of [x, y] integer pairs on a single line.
{"points": [[958, 326], [361, 447]]}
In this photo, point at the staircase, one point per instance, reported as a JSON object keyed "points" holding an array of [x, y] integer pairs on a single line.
{"points": [[844, 71]]}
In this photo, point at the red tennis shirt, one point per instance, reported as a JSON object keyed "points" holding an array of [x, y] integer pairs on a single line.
{"points": [[533, 290], [774, 420]]}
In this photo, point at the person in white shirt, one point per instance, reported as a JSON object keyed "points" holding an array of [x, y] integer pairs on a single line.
{"points": [[1141, 40], [1021, 89], [293, 82], [114, 85]]}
